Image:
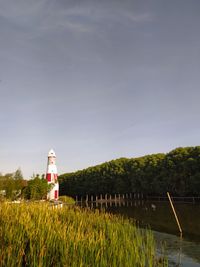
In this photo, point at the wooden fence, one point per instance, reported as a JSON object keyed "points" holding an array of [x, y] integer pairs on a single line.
{"points": [[105, 198]]}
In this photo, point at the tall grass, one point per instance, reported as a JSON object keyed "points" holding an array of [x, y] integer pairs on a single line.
{"points": [[39, 236]]}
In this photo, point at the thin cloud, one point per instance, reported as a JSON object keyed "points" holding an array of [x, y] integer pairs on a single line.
{"points": [[45, 16], [65, 24], [88, 19], [146, 17]]}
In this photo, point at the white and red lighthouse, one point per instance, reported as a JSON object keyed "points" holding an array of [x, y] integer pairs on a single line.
{"points": [[52, 176]]}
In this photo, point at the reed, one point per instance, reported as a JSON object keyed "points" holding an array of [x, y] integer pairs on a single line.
{"points": [[35, 235]]}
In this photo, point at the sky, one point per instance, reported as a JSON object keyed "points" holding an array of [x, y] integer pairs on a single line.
{"points": [[96, 80]]}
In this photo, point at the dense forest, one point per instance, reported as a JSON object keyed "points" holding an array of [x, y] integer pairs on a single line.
{"points": [[177, 172]]}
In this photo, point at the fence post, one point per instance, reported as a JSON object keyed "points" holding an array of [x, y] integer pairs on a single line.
{"points": [[106, 197]]}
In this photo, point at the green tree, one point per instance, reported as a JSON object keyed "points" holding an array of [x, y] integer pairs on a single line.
{"points": [[18, 175], [9, 186], [36, 189], [18, 181]]}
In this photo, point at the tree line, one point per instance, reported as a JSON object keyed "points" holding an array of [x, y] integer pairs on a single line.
{"points": [[13, 186], [177, 172]]}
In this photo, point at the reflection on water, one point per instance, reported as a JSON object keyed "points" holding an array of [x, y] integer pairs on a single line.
{"points": [[184, 252], [180, 252]]}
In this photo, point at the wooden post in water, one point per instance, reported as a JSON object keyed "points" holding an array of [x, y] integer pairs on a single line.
{"points": [[96, 201], [175, 215], [110, 201], [106, 198], [123, 197]]}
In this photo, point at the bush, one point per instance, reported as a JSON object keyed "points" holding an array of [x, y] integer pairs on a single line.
{"points": [[66, 199]]}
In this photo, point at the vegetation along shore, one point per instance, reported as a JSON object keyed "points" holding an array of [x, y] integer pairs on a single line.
{"points": [[36, 235]]}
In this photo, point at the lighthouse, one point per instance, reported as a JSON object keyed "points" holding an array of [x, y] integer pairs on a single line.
{"points": [[52, 176]]}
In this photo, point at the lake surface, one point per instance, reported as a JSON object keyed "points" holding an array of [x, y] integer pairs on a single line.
{"points": [[183, 252]]}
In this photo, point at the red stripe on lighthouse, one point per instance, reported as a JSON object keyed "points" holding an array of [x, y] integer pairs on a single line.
{"points": [[56, 194], [48, 177]]}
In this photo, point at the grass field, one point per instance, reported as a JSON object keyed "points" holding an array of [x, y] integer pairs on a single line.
{"points": [[37, 235]]}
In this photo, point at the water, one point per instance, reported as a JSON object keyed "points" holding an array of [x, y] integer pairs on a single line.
{"points": [[182, 252]]}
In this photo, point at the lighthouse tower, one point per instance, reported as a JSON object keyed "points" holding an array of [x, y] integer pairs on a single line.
{"points": [[52, 176]]}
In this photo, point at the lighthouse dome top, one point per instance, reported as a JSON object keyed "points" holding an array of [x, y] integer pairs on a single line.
{"points": [[51, 153]]}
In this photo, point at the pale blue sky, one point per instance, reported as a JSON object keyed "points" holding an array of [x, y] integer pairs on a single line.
{"points": [[96, 80]]}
